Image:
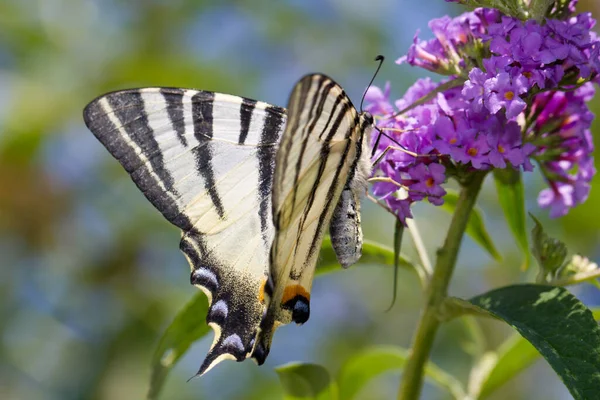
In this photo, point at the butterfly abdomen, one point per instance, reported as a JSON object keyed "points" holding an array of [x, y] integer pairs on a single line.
{"points": [[345, 227], [345, 230]]}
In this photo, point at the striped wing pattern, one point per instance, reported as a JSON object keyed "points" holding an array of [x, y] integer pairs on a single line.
{"points": [[206, 162], [252, 210], [321, 149]]}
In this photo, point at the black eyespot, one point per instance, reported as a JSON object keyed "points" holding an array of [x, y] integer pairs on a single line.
{"points": [[301, 311], [300, 308]]}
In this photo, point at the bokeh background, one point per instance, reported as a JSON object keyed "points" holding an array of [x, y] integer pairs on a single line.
{"points": [[90, 273]]}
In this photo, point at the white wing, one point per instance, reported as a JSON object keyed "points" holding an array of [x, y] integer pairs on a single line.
{"points": [[206, 162]]}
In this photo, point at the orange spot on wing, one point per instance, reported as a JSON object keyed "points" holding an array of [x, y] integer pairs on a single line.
{"points": [[261, 291], [292, 291]]}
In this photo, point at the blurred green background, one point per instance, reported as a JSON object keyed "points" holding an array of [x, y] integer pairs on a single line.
{"points": [[90, 273]]}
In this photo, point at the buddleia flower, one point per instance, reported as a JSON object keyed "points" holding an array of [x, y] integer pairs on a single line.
{"points": [[514, 94]]}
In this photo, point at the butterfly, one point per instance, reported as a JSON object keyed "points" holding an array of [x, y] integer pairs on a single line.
{"points": [[253, 188]]}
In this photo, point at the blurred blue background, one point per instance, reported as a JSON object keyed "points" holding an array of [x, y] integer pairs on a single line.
{"points": [[90, 273]]}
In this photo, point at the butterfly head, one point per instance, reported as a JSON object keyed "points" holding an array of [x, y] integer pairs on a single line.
{"points": [[367, 117]]}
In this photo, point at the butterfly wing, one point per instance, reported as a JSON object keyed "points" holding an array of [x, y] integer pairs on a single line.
{"points": [[320, 148], [206, 162]]}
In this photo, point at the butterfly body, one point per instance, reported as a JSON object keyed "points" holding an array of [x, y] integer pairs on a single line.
{"points": [[252, 187]]}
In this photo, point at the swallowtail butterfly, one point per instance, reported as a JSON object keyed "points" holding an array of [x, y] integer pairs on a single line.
{"points": [[253, 189]]}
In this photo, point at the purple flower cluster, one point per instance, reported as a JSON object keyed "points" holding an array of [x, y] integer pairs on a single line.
{"points": [[453, 37], [415, 177], [561, 120], [533, 56], [516, 92]]}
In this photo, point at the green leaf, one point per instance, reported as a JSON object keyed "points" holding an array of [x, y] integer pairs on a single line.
{"points": [[550, 253], [511, 195], [362, 367], [558, 325], [513, 356], [188, 326], [306, 381], [475, 227], [512, 8], [454, 307], [539, 8], [372, 253]]}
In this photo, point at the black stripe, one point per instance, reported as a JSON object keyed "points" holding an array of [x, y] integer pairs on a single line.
{"points": [[325, 149], [319, 98], [327, 89], [266, 152], [359, 147], [174, 99], [130, 111], [246, 110], [313, 118], [324, 157], [107, 133], [294, 118], [339, 98], [197, 262], [202, 114], [270, 285], [128, 107], [203, 257], [275, 117]]}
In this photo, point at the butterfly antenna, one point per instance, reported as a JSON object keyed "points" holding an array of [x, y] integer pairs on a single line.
{"points": [[379, 58], [382, 133], [376, 145]]}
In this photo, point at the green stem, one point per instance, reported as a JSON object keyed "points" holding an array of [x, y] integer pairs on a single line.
{"points": [[412, 378]]}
